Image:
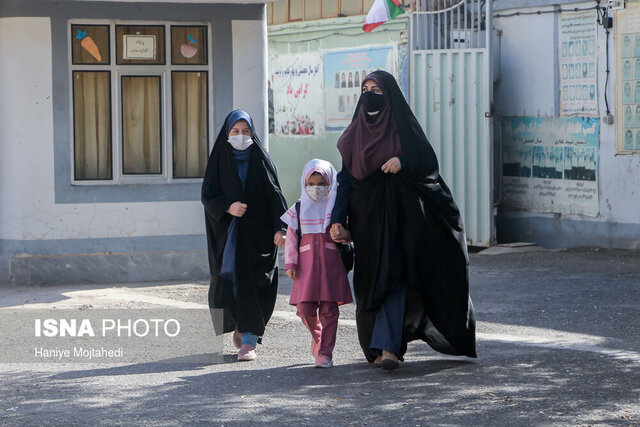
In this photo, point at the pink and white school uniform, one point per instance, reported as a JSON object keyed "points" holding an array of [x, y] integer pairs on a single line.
{"points": [[321, 282]]}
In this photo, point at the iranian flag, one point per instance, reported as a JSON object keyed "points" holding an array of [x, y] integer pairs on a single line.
{"points": [[381, 12]]}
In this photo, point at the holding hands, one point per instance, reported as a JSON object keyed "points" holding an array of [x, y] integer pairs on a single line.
{"points": [[279, 238], [339, 234], [392, 165]]}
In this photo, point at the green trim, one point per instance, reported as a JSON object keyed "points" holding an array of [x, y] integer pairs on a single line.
{"points": [[308, 28]]}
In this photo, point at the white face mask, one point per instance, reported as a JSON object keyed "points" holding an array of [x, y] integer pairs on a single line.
{"points": [[318, 192], [240, 142]]}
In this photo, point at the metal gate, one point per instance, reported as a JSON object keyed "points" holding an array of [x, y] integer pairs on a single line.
{"points": [[451, 93]]}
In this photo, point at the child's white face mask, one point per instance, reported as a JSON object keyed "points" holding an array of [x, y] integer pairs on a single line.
{"points": [[318, 192], [240, 142]]}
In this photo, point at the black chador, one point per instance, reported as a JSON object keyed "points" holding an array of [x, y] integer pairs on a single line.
{"points": [[242, 253], [408, 233]]}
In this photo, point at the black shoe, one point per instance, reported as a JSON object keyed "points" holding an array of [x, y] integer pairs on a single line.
{"points": [[390, 361]]}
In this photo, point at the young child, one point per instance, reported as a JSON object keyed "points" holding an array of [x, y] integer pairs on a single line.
{"points": [[320, 282]]}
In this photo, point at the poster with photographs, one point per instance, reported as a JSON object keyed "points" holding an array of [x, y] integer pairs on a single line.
{"points": [[344, 71], [297, 95], [577, 59], [550, 164], [628, 85]]}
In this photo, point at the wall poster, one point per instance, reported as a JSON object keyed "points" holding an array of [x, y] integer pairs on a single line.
{"points": [[297, 95], [627, 66], [578, 59], [344, 71], [550, 164]]}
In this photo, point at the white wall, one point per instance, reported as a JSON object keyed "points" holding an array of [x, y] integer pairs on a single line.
{"points": [[250, 72], [27, 207], [527, 88], [526, 66]]}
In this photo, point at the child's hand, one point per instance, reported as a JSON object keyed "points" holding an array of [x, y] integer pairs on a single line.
{"points": [[335, 231], [237, 209], [339, 234], [291, 273], [279, 238]]}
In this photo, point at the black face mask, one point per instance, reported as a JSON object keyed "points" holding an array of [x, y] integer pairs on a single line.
{"points": [[372, 102]]}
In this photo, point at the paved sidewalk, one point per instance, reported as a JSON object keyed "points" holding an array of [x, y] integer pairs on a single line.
{"points": [[558, 344]]}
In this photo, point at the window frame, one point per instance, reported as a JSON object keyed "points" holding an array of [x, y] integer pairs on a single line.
{"points": [[207, 60], [73, 127], [164, 44], [161, 90], [73, 37], [207, 113], [118, 177]]}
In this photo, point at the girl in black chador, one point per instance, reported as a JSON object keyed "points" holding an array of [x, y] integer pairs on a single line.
{"points": [[411, 263], [243, 204]]}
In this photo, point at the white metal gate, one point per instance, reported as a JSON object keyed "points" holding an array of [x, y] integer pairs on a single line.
{"points": [[451, 93]]}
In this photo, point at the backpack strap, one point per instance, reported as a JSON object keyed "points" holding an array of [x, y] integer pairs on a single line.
{"points": [[299, 229]]}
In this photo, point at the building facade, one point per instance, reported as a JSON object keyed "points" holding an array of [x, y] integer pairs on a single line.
{"points": [[108, 110], [318, 56], [565, 103]]}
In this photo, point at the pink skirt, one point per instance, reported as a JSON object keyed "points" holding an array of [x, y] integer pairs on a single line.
{"points": [[321, 276]]}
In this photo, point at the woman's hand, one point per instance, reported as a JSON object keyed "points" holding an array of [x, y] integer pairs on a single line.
{"points": [[279, 238], [392, 165], [237, 209], [291, 274], [339, 234]]}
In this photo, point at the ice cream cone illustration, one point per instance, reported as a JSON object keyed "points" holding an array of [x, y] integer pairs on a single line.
{"points": [[89, 45], [187, 49]]}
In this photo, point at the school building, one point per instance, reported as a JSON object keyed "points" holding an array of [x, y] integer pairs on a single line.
{"points": [[533, 107], [108, 110], [568, 134], [319, 48]]}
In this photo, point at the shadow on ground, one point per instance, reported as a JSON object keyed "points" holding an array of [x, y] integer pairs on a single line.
{"points": [[509, 385]]}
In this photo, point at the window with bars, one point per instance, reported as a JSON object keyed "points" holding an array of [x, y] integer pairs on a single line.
{"points": [[284, 11], [139, 101]]}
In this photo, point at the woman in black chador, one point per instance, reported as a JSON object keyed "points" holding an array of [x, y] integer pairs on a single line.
{"points": [[411, 269], [243, 205]]}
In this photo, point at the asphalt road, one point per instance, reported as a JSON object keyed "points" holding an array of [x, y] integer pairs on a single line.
{"points": [[558, 344]]}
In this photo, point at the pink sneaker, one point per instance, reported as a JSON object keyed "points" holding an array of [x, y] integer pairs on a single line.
{"points": [[323, 362], [247, 352]]}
